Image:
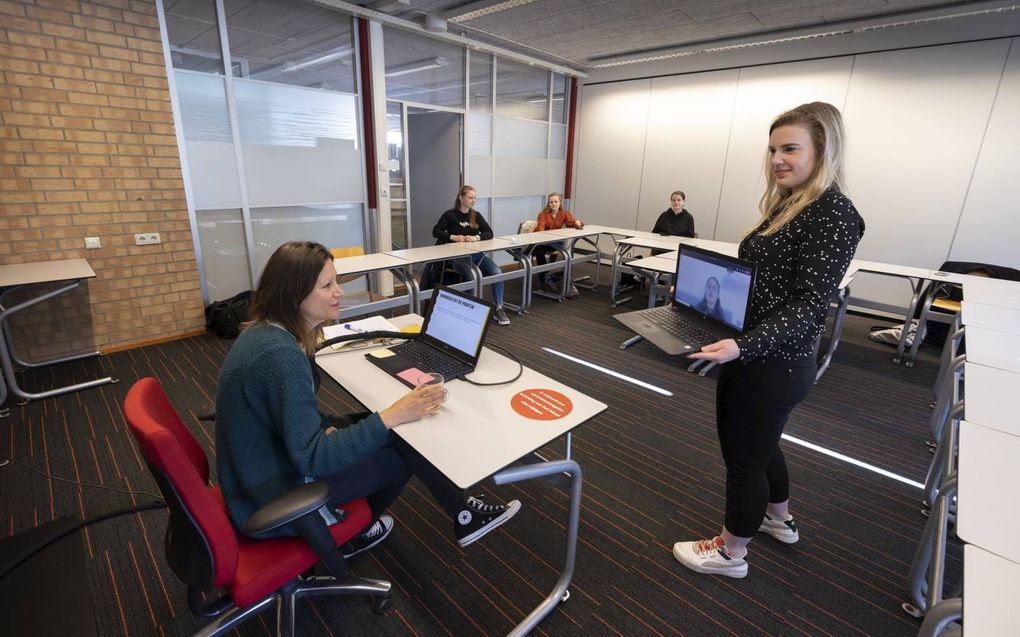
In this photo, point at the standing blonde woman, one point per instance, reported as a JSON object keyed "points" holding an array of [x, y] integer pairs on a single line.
{"points": [[803, 244]]}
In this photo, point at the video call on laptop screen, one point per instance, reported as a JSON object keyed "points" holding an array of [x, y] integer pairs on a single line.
{"points": [[714, 286], [457, 321]]}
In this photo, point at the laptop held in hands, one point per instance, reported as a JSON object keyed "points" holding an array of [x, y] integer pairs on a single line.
{"points": [[711, 301], [451, 340]]}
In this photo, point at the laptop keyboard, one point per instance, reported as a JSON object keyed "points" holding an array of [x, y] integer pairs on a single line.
{"points": [[670, 320], [428, 359]]}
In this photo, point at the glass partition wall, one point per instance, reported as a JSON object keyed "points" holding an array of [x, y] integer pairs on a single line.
{"points": [[273, 148]]}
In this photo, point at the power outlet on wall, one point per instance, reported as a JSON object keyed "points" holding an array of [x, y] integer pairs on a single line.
{"points": [[92, 243], [147, 239]]}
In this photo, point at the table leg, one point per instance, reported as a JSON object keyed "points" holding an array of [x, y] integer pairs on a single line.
{"points": [[8, 364], [837, 330], [4, 411], [559, 593], [406, 276], [906, 324], [6, 329], [614, 284]]}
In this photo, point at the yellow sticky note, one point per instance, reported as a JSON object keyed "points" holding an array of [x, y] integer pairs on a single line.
{"points": [[411, 329], [380, 353]]}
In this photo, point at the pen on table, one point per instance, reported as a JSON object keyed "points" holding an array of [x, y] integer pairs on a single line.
{"points": [[348, 326]]}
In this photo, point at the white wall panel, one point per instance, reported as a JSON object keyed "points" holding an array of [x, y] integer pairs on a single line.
{"points": [[555, 175], [611, 140], [990, 216], [762, 94], [689, 121], [915, 120]]}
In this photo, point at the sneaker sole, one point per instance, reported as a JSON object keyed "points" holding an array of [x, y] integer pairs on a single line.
{"points": [[511, 511], [373, 544], [736, 573], [785, 538]]}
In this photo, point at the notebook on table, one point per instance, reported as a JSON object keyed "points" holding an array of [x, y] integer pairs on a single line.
{"points": [[711, 301], [450, 344]]}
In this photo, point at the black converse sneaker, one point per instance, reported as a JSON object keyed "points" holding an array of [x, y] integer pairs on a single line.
{"points": [[476, 518], [370, 537]]}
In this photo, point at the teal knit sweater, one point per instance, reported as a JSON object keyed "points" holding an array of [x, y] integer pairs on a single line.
{"points": [[270, 434]]}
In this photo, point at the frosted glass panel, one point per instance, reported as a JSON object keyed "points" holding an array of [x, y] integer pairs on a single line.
{"points": [[555, 175], [332, 225], [299, 145], [521, 90], [508, 213], [212, 164], [561, 87], [480, 90], [480, 174], [480, 140], [558, 142], [224, 256], [520, 138]]}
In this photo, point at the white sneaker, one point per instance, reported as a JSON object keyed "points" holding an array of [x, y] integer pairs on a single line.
{"points": [[709, 556], [783, 530]]}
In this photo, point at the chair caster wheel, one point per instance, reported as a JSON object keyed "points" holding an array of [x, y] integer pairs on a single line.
{"points": [[566, 596], [380, 605], [912, 610]]}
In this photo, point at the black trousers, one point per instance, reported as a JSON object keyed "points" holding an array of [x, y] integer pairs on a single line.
{"points": [[381, 476], [753, 403]]}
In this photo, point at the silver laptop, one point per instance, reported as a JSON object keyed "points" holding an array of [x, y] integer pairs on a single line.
{"points": [[451, 342], [711, 301]]}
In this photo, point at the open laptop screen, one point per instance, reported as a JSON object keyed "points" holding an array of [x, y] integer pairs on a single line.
{"points": [[715, 285], [457, 321]]}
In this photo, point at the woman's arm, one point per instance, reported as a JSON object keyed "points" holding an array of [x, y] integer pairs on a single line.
{"points": [[484, 230], [442, 228]]}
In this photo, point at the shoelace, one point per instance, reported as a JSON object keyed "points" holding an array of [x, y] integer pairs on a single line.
{"points": [[374, 530], [706, 546], [482, 507]]}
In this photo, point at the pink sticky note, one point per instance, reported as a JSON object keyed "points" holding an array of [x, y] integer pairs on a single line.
{"points": [[411, 375]]}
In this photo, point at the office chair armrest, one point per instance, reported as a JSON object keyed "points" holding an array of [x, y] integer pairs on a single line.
{"points": [[288, 507]]}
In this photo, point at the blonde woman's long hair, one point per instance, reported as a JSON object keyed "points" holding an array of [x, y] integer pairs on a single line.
{"points": [[825, 126]]}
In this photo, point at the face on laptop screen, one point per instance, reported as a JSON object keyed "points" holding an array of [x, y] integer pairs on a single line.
{"points": [[714, 286], [457, 321]]}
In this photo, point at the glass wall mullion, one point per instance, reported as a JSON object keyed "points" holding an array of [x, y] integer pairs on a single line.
{"points": [[407, 175], [235, 131]]}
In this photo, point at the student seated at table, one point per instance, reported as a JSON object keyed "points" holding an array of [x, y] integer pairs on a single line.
{"points": [[710, 303], [464, 223], [553, 217], [271, 436], [675, 221]]}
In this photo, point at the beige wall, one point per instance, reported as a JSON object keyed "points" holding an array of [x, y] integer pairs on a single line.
{"points": [[87, 148]]}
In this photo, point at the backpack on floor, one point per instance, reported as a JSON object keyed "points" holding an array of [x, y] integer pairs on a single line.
{"points": [[224, 318]]}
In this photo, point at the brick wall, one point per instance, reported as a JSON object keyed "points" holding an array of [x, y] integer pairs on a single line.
{"points": [[87, 149]]}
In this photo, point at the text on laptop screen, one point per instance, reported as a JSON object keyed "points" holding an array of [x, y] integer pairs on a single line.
{"points": [[713, 286], [457, 321]]}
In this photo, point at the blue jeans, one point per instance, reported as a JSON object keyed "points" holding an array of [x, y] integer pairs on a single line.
{"points": [[488, 267]]}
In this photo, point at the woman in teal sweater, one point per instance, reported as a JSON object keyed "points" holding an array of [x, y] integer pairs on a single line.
{"points": [[271, 437]]}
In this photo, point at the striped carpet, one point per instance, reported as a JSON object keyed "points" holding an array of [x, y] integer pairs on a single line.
{"points": [[652, 476]]}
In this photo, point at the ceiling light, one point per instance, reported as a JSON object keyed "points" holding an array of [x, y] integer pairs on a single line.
{"points": [[414, 67], [496, 8]]}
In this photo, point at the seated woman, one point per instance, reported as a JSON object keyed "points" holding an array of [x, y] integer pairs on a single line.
{"points": [[464, 223], [675, 221], [554, 217], [271, 437], [710, 303]]}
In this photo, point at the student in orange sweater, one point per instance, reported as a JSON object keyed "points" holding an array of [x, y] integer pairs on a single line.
{"points": [[554, 217]]}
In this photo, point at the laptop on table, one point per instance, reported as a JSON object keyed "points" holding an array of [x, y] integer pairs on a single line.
{"points": [[451, 340], [711, 301]]}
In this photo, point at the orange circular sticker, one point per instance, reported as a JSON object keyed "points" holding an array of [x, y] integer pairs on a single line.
{"points": [[541, 404]]}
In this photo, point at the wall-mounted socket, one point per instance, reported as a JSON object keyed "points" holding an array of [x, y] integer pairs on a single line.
{"points": [[93, 243], [147, 239]]}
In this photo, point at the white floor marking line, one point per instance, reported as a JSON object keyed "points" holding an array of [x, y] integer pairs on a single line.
{"points": [[864, 465], [610, 372]]}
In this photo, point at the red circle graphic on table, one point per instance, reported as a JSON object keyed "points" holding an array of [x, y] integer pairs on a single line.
{"points": [[541, 404]]}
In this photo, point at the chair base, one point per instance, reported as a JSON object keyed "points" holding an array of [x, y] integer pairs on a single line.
{"points": [[286, 598]]}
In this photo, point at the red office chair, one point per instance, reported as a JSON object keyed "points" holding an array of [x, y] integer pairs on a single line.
{"points": [[205, 551]]}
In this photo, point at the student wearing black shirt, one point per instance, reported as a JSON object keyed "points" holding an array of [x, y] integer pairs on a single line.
{"points": [[464, 223], [803, 244], [675, 221]]}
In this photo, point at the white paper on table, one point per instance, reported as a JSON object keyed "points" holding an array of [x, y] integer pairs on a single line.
{"points": [[370, 324]]}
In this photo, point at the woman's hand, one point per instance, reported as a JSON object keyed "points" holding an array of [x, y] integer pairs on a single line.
{"points": [[719, 352], [414, 405], [456, 237], [578, 224]]}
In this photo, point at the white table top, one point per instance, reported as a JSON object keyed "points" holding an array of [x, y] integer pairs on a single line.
{"points": [[992, 587], [993, 349], [531, 238], [575, 232], [986, 503], [657, 241], [992, 292], [661, 263], [987, 405], [434, 253], [722, 247], [624, 232], [991, 317], [367, 263], [45, 272], [476, 433], [891, 269]]}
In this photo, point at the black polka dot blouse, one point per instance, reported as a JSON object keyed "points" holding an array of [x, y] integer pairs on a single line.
{"points": [[799, 270]]}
